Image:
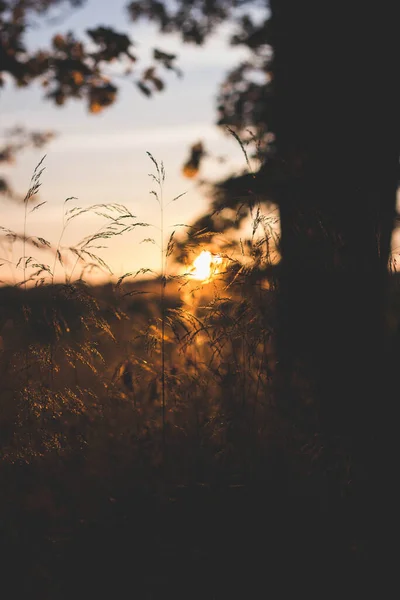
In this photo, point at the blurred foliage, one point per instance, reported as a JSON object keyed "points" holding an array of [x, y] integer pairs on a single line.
{"points": [[192, 165], [17, 139], [70, 67], [73, 68], [244, 98]]}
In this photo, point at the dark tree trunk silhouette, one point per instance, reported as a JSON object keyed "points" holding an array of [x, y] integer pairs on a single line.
{"points": [[336, 122]]}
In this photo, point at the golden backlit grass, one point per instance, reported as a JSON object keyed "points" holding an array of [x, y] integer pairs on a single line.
{"points": [[152, 386]]}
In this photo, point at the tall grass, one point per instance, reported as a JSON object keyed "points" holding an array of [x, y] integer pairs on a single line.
{"points": [[155, 365], [99, 384]]}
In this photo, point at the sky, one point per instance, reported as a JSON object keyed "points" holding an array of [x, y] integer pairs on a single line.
{"points": [[103, 158]]}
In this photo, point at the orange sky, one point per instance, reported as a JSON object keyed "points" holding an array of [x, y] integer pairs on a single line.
{"points": [[102, 158]]}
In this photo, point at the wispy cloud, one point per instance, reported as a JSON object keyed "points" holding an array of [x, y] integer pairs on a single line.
{"points": [[136, 139]]}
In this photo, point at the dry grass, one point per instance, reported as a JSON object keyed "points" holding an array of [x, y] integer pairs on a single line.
{"points": [[122, 402]]}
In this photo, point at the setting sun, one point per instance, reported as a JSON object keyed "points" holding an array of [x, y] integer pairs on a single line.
{"points": [[205, 266]]}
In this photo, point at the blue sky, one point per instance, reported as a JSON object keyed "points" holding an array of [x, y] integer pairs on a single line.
{"points": [[102, 158]]}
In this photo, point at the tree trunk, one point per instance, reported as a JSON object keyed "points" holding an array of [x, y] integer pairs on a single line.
{"points": [[337, 131]]}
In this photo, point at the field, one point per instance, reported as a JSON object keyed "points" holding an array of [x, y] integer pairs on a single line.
{"points": [[143, 446], [128, 464]]}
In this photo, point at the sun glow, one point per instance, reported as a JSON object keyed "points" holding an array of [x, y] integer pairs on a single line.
{"points": [[206, 266]]}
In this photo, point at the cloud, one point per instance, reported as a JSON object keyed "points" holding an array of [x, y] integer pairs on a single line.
{"points": [[136, 138]]}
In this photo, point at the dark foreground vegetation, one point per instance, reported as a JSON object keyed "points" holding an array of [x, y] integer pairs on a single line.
{"points": [[243, 441], [224, 495]]}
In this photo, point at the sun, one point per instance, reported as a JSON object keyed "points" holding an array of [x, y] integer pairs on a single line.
{"points": [[206, 266]]}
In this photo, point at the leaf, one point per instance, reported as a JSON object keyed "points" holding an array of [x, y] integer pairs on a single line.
{"points": [[156, 195], [144, 89], [158, 83], [177, 198], [239, 141], [135, 293], [143, 271], [44, 242], [153, 160], [38, 206], [95, 107], [163, 56], [149, 73], [189, 171], [121, 279], [170, 245]]}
